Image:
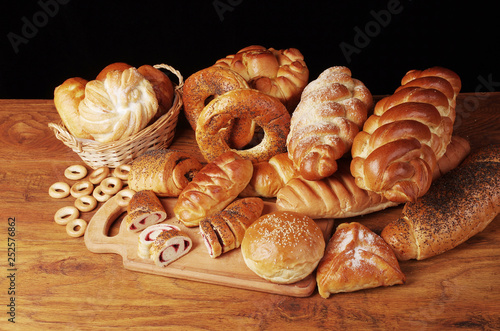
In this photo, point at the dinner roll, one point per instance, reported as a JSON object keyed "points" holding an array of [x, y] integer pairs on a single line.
{"points": [[283, 247]]}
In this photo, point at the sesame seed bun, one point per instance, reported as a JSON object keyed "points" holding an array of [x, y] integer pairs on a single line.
{"points": [[283, 247]]}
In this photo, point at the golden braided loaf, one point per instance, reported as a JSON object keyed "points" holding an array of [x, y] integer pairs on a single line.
{"points": [[280, 73], [396, 153], [331, 112]]}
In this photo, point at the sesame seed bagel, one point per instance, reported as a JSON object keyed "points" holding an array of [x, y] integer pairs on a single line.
{"points": [[283, 247]]}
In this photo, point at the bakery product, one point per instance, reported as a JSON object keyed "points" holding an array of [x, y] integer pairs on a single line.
{"points": [[224, 230], [270, 176], [206, 84], [458, 205], [148, 236], [397, 151], [143, 210], [67, 97], [331, 112], [283, 247], [214, 187], [355, 259], [169, 246], [118, 103], [456, 151], [118, 107], [164, 171], [336, 196], [280, 73], [214, 124]]}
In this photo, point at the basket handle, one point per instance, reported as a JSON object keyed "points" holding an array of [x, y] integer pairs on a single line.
{"points": [[172, 70]]}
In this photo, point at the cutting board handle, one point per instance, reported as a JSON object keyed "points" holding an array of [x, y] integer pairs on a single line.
{"points": [[96, 235]]}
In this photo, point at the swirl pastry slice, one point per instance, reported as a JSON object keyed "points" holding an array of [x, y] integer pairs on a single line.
{"points": [[214, 187], [170, 246], [148, 236], [280, 73], [224, 230], [331, 112], [397, 152], [356, 259], [144, 209], [118, 107], [164, 171]]}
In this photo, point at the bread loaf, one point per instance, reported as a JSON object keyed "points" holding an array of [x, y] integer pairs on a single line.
{"points": [[331, 112], [396, 153], [224, 230], [214, 187], [458, 205], [283, 247], [164, 171], [355, 259], [338, 196]]}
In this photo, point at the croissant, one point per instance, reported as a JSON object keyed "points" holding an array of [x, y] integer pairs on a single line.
{"points": [[396, 153], [458, 205], [280, 73], [331, 112]]}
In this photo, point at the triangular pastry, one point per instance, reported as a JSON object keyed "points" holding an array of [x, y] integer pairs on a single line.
{"points": [[356, 258]]}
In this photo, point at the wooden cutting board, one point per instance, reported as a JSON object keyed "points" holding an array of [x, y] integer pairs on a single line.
{"points": [[229, 269]]}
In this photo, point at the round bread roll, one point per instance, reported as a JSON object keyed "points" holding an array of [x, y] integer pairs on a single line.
{"points": [[283, 247]]}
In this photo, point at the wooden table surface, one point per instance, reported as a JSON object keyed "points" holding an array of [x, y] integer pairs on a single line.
{"points": [[56, 283]]}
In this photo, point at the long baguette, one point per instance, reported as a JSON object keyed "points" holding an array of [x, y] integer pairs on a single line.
{"points": [[457, 206]]}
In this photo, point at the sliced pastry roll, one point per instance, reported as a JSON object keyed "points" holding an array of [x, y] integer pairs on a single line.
{"points": [[149, 235], [169, 246], [143, 210], [224, 230], [355, 259]]}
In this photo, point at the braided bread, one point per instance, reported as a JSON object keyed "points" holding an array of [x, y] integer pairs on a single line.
{"points": [[396, 153], [280, 73], [331, 112]]}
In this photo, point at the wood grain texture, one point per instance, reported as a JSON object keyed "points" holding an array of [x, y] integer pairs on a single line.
{"points": [[61, 285]]}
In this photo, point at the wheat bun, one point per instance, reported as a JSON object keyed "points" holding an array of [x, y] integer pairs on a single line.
{"points": [[283, 247]]}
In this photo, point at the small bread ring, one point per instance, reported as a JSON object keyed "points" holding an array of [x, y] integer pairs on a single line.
{"points": [[122, 171], [75, 172], [210, 83], [66, 214], [99, 195], [59, 190], [98, 175], [267, 112], [111, 185], [76, 228], [86, 203], [123, 197], [81, 188]]}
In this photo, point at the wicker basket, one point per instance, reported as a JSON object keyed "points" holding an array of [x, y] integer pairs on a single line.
{"points": [[157, 135]]}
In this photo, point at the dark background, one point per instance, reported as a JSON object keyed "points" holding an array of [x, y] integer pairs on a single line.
{"points": [[47, 41]]}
